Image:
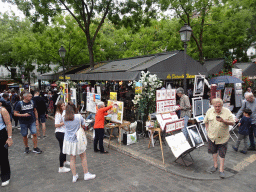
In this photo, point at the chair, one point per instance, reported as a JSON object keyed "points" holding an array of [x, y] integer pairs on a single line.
{"points": [[232, 131]]}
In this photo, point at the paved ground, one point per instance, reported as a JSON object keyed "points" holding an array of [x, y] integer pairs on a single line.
{"points": [[115, 172]]}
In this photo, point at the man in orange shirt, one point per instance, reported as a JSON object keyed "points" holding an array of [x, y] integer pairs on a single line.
{"points": [[99, 127]]}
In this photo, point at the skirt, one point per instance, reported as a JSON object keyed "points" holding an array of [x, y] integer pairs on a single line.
{"points": [[71, 148]]}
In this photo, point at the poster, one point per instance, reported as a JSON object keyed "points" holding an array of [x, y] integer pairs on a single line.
{"points": [[92, 100], [227, 94], [195, 136], [199, 85], [117, 111], [113, 96], [138, 88], [178, 144], [197, 106], [73, 95]]}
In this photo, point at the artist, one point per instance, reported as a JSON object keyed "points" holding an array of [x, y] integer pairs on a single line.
{"points": [[217, 121], [99, 127]]}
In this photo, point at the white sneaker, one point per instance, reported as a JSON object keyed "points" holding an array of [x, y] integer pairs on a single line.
{"points": [[88, 176], [66, 163], [64, 170], [5, 183], [75, 178]]}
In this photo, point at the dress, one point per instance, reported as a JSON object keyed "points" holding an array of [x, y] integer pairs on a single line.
{"points": [[70, 144]]}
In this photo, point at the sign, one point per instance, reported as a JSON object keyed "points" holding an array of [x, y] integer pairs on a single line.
{"points": [[66, 77], [174, 76]]}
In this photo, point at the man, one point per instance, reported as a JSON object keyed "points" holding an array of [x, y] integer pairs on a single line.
{"points": [[28, 118], [42, 112], [249, 103], [13, 97], [248, 90], [99, 127], [5, 98], [217, 121], [184, 109]]}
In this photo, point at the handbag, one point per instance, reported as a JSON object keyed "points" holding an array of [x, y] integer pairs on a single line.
{"points": [[82, 140]]}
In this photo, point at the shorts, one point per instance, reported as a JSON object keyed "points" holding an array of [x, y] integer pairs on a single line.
{"points": [[24, 129], [214, 148], [41, 118]]}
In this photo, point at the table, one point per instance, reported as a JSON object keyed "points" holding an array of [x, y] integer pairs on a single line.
{"points": [[122, 126], [151, 131]]}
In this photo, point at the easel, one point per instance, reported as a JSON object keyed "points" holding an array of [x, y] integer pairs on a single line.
{"points": [[181, 159], [152, 130]]}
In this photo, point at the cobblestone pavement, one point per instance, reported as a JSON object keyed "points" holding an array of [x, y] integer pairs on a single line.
{"points": [[115, 172]]}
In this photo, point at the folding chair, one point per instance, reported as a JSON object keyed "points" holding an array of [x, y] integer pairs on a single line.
{"points": [[232, 131]]}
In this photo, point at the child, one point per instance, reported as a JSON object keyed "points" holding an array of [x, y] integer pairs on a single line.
{"points": [[243, 132]]}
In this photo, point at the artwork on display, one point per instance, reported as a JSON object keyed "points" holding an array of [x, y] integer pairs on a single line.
{"points": [[21, 89], [166, 101], [73, 95], [221, 86], [168, 85], [138, 88], [195, 136], [170, 127], [178, 144], [237, 73], [98, 90], [88, 89], [238, 94], [91, 104], [227, 94], [169, 118], [113, 96], [93, 90], [199, 85], [117, 111], [197, 106], [218, 94], [203, 129], [206, 105]]}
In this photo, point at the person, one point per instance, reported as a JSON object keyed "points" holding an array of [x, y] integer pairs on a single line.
{"points": [[184, 109], [42, 113], [72, 123], [16, 119], [217, 121], [248, 90], [54, 99], [28, 118], [8, 106], [99, 127], [59, 133], [13, 97], [244, 126], [249, 103], [5, 142]]}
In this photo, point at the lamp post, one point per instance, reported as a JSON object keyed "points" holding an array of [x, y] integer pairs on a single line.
{"points": [[185, 33], [22, 69], [62, 52]]}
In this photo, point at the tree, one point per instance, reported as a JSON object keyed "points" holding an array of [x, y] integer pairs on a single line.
{"points": [[87, 13]]}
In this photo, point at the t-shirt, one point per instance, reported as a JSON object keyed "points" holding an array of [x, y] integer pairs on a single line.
{"points": [[59, 118], [245, 125], [40, 105], [72, 127], [23, 108]]}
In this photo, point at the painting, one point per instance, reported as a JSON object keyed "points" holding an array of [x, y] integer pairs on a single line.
{"points": [[199, 85], [195, 136]]}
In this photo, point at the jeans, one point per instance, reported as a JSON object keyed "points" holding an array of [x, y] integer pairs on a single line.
{"points": [[240, 138], [4, 161], [60, 138], [184, 130], [252, 134], [99, 134]]}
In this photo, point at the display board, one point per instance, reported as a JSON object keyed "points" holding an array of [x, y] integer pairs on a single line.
{"points": [[117, 111], [227, 94], [197, 106], [92, 101], [195, 136], [166, 100], [73, 96], [199, 85], [170, 121], [178, 144]]}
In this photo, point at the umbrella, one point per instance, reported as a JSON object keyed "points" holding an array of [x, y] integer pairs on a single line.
{"points": [[226, 79]]}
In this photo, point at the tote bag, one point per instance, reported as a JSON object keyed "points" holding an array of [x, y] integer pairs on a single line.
{"points": [[82, 140]]}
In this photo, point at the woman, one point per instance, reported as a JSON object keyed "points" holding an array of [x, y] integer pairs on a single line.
{"points": [[72, 122], [5, 142], [59, 133]]}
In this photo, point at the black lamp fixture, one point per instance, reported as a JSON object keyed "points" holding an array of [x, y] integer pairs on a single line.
{"points": [[62, 53]]}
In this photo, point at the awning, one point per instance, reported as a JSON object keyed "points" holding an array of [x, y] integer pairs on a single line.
{"points": [[248, 69], [214, 66]]}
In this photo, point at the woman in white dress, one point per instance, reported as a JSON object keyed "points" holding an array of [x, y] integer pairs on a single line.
{"points": [[72, 122], [59, 133]]}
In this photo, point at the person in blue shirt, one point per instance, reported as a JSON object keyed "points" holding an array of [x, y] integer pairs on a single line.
{"points": [[244, 126]]}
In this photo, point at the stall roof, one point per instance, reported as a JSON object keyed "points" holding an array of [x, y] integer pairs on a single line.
{"points": [[214, 66], [249, 69], [168, 65]]}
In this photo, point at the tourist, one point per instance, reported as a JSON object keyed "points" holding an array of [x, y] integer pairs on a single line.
{"points": [[217, 121], [5, 142], [72, 123], [28, 118], [59, 133], [16, 119]]}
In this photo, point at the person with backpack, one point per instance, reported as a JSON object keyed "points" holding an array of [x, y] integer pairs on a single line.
{"points": [[28, 118]]}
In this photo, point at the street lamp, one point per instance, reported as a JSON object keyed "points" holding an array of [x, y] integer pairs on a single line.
{"points": [[62, 52], [22, 69], [185, 34]]}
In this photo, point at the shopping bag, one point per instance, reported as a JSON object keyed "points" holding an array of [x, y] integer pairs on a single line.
{"points": [[82, 140], [131, 138]]}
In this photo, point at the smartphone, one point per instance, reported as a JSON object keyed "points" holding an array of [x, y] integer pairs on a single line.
{"points": [[6, 146]]}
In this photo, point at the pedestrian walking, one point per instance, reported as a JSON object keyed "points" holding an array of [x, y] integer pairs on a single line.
{"points": [[244, 126], [72, 123], [249, 103], [5, 142], [59, 133], [99, 127], [42, 113], [28, 118], [217, 121], [15, 118]]}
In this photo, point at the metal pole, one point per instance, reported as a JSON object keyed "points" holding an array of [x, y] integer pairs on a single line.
{"points": [[185, 68], [63, 69]]}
